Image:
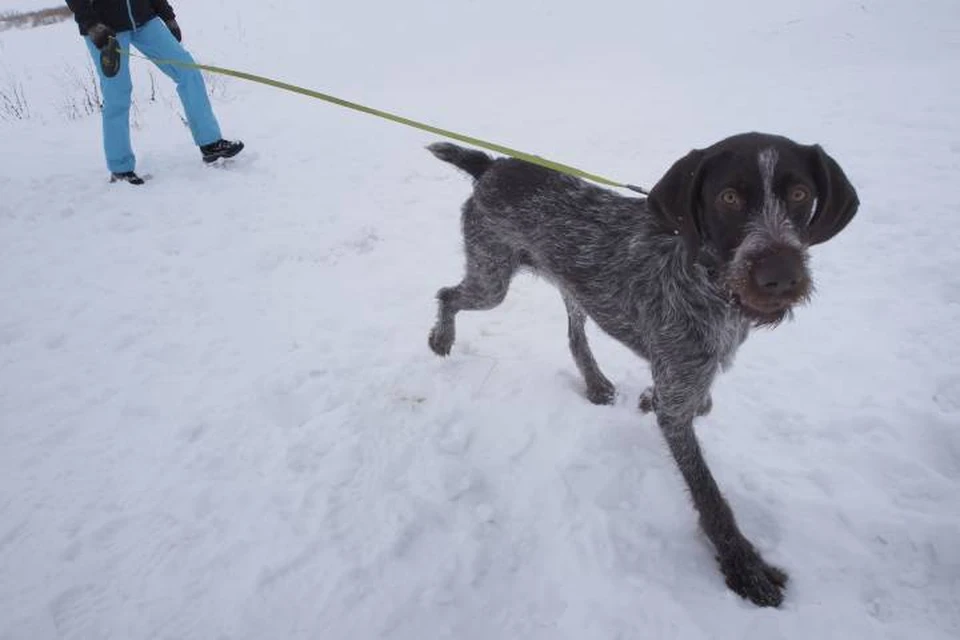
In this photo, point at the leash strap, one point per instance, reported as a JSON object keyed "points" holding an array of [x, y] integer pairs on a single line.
{"points": [[285, 86]]}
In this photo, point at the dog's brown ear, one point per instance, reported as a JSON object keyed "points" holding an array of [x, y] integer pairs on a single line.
{"points": [[675, 199], [837, 200]]}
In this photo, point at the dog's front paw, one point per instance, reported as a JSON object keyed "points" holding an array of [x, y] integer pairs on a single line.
{"points": [[602, 392], [441, 339], [748, 575]]}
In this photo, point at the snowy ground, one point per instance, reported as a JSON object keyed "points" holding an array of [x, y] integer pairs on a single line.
{"points": [[11, 6], [220, 419]]}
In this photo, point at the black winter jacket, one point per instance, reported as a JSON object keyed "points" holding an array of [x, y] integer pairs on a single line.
{"points": [[116, 14]]}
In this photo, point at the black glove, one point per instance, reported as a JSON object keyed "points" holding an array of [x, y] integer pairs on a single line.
{"points": [[174, 29], [100, 34]]}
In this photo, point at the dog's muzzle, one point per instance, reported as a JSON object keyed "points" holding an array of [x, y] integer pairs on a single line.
{"points": [[768, 284]]}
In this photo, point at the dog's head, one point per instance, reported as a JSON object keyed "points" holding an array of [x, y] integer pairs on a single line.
{"points": [[754, 203]]}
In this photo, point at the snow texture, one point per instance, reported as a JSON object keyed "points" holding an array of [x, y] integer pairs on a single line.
{"points": [[220, 419], [17, 6]]}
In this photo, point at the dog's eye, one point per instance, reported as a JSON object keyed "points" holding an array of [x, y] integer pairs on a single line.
{"points": [[799, 193], [730, 199]]}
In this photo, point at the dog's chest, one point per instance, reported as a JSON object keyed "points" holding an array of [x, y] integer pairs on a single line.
{"points": [[727, 338]]}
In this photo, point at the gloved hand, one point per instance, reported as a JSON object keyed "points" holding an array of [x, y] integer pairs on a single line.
{"points": [[174, 29], [100, 34]]}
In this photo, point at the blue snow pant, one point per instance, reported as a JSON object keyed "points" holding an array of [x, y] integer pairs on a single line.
{"points": [[153, 39]]}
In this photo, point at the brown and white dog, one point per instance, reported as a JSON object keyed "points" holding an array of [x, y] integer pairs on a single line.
{"points": [[680, 277]]}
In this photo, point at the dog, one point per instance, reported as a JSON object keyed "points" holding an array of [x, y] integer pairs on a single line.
{"points": [[718, 247]]}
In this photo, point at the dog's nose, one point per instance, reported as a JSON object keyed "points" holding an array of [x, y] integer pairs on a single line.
{"points": [[778, 274]]}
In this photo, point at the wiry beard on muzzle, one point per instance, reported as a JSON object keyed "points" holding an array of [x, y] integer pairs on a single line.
{"points": [[737, 280]]}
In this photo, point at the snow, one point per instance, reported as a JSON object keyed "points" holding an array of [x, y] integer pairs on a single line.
{"points": [[220, 418], [11, 6]]}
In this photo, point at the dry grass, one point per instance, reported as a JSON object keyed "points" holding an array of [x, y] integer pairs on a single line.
{"points": [[13, 101], [82, 96], [32, 19]]}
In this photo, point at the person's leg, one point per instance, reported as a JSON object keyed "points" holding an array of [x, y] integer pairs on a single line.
{"points": [[115, 115], [155, 40]]}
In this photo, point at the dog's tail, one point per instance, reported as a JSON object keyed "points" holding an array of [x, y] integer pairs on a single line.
{"points": [[473, 162]]}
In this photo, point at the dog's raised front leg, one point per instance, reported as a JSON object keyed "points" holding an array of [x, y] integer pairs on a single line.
{"points": [[681, 389], [599, 389]]}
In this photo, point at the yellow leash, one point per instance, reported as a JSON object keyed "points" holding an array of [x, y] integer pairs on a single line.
{"points": [[285, 86]]}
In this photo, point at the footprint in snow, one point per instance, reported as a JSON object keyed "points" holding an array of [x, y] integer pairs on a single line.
{"points": [[947, 395], [453, 437], [77, 611]]}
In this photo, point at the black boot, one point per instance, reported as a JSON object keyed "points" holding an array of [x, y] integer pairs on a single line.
{"points": [[220, 149], [126, 176]]}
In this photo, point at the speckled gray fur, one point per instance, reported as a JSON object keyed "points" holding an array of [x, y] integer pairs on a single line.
{"points": [[670, 277]]}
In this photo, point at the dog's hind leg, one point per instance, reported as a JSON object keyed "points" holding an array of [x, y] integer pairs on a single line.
{"points": [[599, 389], [490, 267]]}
